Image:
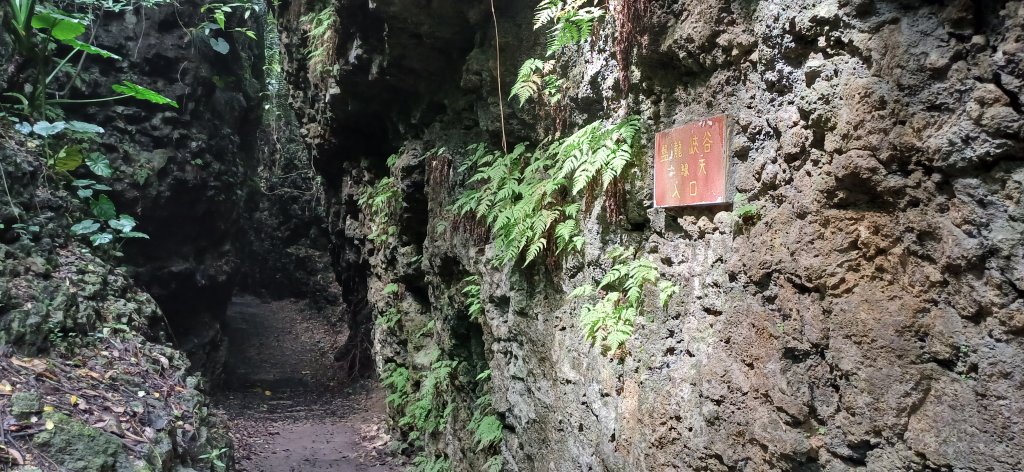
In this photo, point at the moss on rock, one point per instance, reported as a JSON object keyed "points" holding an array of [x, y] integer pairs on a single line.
{"points": [[76, 446]]}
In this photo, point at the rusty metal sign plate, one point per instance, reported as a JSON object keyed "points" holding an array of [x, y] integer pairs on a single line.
{"points": [[691, 164]]}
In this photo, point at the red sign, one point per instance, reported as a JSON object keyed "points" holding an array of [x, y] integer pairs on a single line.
{"points": [[691, 164]]}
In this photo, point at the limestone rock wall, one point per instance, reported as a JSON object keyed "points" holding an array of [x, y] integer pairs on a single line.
{"points": [[187, 173], [85, 326], [870, 315]]}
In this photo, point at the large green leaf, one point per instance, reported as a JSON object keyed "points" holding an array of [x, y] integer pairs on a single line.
{"points": [[83, 127], [100, 239], [103, 208], [88, 48], [123, 223], [99, 164], [143, 93], [61, 26], [219, 45], [68, 159], [85, 227], [45, 128]]}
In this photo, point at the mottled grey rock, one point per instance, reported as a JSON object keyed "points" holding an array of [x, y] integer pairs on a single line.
{"points": [[869, 317]]}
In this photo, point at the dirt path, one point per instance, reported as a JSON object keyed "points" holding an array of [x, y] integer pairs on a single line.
{"points": [[288, 409]]}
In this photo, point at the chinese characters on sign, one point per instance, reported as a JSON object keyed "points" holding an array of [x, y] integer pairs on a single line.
{"points": [[691, 164]]}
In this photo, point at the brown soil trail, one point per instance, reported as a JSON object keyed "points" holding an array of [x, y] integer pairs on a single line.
{"points": [[288, 408]]}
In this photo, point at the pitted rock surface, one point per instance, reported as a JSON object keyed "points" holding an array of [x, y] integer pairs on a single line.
{"points": [[871, 317]]}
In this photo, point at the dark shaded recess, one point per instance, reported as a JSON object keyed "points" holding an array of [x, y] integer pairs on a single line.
{"points": [[407, 63], [398, 81], [350, 269], [192, 206]]}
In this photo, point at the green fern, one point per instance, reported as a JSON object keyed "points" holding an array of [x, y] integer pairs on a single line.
{"points": [[423, 463], [321, 41], [609, 322], [569, 23], [428, 408], [494, 464], [390, 318], [474, 304], [743, 210], [572, 26], [488, 432], [396, 380], [535, 77], [597, 149], [529, 81], [523, 196]]}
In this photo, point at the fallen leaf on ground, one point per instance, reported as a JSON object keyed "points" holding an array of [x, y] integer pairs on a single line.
{"points": [[11, 455], [36, 365]]}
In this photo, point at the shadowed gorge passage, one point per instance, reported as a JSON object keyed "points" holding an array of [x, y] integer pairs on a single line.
{"points": [[289, 407]]}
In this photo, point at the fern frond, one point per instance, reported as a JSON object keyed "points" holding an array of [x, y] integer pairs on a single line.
{"points": [[488, 432]]}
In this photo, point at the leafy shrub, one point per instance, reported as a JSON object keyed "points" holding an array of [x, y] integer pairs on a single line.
{"points": [[218, 13], [42, 30]]}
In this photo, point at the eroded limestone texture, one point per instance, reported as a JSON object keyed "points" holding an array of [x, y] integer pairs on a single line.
{"points": [[871, 316]]}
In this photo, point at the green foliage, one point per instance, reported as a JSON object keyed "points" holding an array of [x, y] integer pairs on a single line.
{"points": [[22, 16], [381, 203], [106, 225], [390, 318], [61, 26], [396, 381], [597, 150], [486, 426], [569, 22], [321, 41], [474, 304], [522, 196], [40, 32], [103, 224], [428, 410], [423, 463], [216, 458], [218, 13], [128, 89], [609, 322], [743, 209], [494, 464], [99, 164], [423, 399], [534, 77], [487, 432]]}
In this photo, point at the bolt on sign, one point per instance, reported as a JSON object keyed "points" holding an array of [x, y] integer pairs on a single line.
{"points": [[691, 164]]}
